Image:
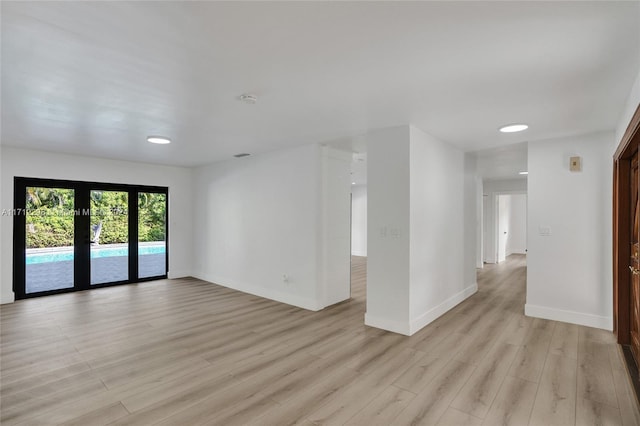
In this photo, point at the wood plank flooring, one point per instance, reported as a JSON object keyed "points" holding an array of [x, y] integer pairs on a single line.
{"points": [[186, 352]]}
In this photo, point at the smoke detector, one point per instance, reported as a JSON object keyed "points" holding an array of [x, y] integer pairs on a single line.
{"points": [[248, 98]]}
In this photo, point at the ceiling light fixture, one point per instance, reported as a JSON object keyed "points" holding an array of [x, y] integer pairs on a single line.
{"points": [[353, 183], [161, 140], [248, 98], [523, 173], [512, 128]]}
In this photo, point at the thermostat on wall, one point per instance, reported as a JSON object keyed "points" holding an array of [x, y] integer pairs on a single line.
{"points": [[575, 164]]}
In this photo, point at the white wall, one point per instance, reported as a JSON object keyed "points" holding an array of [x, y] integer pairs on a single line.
{"points": [[443, 228], [359, 220], [39, 164], [569, 272], [633, 101], [265, 216], [505, 186], [6, 296], [388, 229], [422, 226], [517, 232]]}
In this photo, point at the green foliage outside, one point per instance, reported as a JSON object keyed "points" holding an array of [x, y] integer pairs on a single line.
{"points": [[50, 217], [151, 216], [110, 209]]}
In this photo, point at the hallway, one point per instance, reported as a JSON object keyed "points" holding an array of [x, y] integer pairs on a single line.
{"points": [[190, 352]]}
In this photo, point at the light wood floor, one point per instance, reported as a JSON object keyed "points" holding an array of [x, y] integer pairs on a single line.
{"points": [[185, 352]]}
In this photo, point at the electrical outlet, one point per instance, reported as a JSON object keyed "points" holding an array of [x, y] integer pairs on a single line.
{"points": [[285, 278]]}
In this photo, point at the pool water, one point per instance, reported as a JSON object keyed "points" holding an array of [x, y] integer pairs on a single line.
{"points": [[96, 252]]}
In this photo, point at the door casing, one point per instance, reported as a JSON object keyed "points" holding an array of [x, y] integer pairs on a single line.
{"points": [[621, 229]]}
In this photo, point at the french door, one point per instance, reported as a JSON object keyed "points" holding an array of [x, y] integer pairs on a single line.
{"points": [[71, 235]]}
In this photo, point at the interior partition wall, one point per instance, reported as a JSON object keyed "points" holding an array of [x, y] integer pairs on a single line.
{"points": [[75, 235]]}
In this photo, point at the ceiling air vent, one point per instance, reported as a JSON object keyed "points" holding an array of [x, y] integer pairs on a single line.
{"points": [[244, 154], [248, 98]]}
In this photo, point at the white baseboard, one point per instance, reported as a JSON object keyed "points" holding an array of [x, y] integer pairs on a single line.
{"points": [[8, 297], [434, 313], [572, 317], [394, 326], [426, 318], [517, 251], [278, 296], [172, 275], [359, 253]]}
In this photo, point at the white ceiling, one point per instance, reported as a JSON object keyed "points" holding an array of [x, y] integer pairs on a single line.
{"points": [[505, 162], [96, 78]]}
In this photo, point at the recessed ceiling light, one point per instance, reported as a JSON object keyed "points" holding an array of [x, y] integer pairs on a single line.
{"points": [[523, 173], [511, 128], [353, 183], [158, 139]]}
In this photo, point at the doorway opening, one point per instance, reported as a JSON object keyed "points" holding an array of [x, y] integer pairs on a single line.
{"points": [[504, 224], [512, 225], [72, 235], [504, 233], [358, 241], [358, 226]]}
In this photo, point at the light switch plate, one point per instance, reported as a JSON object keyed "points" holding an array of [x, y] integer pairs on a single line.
{"points": [[544, 231]]}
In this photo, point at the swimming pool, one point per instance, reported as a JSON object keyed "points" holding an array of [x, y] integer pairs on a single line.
{"points": [[96, 252]]}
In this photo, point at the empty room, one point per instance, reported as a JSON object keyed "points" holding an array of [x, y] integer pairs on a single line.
{"points": [[326, 212]]}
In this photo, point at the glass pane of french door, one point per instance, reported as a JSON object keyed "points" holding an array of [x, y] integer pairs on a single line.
{"points": [[109, 236], [49, 229], [152, 234]]}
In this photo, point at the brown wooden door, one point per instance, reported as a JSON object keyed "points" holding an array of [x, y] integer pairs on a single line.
{"points": [[634, 262]]}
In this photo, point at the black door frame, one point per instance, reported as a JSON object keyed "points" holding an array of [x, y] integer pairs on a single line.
{"points": [[82, 238]]}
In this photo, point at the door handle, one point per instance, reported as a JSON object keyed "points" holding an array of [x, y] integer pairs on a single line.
{"points": [[634, 271]]}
